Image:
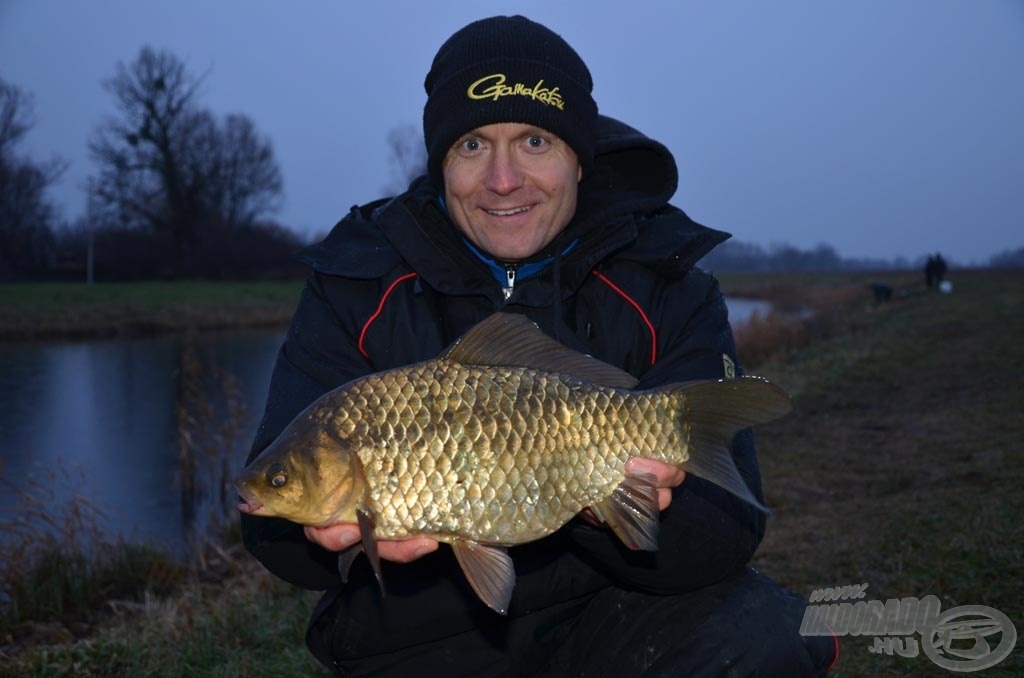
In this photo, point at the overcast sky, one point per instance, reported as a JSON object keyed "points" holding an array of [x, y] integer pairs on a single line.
{"points": [[881, 127]]}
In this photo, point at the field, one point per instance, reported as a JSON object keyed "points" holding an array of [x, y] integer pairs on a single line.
{"points": [[898, 468], [62, 310]]}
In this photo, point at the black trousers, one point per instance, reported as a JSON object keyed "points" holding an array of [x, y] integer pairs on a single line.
{"points": [[745, 625]]}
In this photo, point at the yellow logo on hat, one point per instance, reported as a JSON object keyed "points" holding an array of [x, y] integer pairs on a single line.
{"points": [[497, 89]]}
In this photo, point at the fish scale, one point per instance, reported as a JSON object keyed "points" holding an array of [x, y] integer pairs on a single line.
{"points": [[421, 450]]}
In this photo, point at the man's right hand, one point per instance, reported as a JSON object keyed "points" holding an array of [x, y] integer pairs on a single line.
{"points": [[340, 536]]}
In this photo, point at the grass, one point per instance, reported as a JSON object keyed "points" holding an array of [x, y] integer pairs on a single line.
{"points": [[806, 308], [233, 619], [46, 310], [898, 467], [58, 566]]}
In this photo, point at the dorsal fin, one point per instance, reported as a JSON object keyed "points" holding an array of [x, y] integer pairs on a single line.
{"points": [[512, 340]]}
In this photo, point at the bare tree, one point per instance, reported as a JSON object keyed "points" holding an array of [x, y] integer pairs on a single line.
{"points": [[15, 116], [26, 216], [242, 181], [168, 165], [408, 157]]}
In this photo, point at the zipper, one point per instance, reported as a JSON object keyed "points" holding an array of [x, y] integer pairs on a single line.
{"points": [[510, 280]]}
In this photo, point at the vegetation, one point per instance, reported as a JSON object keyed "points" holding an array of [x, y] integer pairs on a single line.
{"points": [[168, 167], [36, 310], [897, 468], [26, 217], [177, 191]]}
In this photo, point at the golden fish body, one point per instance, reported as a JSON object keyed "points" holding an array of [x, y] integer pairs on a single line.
{"points": [[500, 441], [496, 455]]}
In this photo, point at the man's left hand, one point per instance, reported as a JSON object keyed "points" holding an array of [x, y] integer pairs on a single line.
{"points": [[667, 475]]}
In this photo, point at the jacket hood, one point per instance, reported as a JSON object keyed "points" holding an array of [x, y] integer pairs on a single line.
{"points": [[632, 174]]}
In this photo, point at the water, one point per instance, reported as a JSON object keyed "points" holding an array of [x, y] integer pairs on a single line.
{"points": [[103, 412], [741, 309]]}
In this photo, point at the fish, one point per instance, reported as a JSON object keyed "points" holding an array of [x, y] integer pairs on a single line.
{"points": [[501, 440]]}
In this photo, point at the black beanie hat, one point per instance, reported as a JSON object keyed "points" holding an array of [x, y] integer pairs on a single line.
{"points": [[507, 69]]}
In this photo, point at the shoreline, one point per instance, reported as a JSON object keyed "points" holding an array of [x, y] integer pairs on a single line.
{"points": [[70, 311]]}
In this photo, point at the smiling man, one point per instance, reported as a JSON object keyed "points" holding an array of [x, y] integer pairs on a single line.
{"points": [[532, 204]]}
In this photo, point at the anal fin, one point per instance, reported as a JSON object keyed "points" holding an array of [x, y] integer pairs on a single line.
{"points": [[489, 571], [631, 511]]}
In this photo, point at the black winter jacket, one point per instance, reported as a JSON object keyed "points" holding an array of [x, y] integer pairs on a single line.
{"points": [[394, 283]]}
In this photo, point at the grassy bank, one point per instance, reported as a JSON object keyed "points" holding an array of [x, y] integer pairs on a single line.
{"points": [[898, 468], [59, 310]]}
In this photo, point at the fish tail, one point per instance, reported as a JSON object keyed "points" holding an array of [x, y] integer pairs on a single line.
{"points": [[713, 413]]}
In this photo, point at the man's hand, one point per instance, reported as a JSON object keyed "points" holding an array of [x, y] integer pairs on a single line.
{"points": [[668, 476], [340, 536]]}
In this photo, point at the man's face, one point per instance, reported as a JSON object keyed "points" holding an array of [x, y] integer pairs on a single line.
{"points": [[511, 188]]}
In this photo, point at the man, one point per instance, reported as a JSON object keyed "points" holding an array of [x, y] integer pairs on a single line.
{"points": [[533, 204]]}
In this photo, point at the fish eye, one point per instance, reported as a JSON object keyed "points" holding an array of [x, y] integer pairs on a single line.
{"points": [[276, 475]]}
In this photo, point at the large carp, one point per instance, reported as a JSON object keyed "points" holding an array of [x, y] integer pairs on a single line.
{"points": [[499, 441]]}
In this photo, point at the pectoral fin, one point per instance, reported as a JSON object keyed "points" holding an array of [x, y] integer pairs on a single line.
{"points": [[489, 571], [366, 527], [632, 512], [346, 558]]}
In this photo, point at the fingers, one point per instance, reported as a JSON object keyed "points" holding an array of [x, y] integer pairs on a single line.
{"points": [[666, 476], [406, 550], [340, 536], [337, 537]]}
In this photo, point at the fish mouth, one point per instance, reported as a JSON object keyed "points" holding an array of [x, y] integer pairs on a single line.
{"points": [[249, 506]]}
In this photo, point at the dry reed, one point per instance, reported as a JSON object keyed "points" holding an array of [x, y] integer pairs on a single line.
{"points": [[799, 317]]}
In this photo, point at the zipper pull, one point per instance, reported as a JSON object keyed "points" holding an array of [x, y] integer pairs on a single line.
{"points": [[510, 280]]}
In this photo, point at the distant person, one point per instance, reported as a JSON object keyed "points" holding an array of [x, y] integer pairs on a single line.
{"points": [[940, 269], [929, 272], [532, 204]]}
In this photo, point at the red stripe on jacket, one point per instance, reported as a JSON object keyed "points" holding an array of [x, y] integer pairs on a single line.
{"points": [[632, 302], [380, 307]]}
